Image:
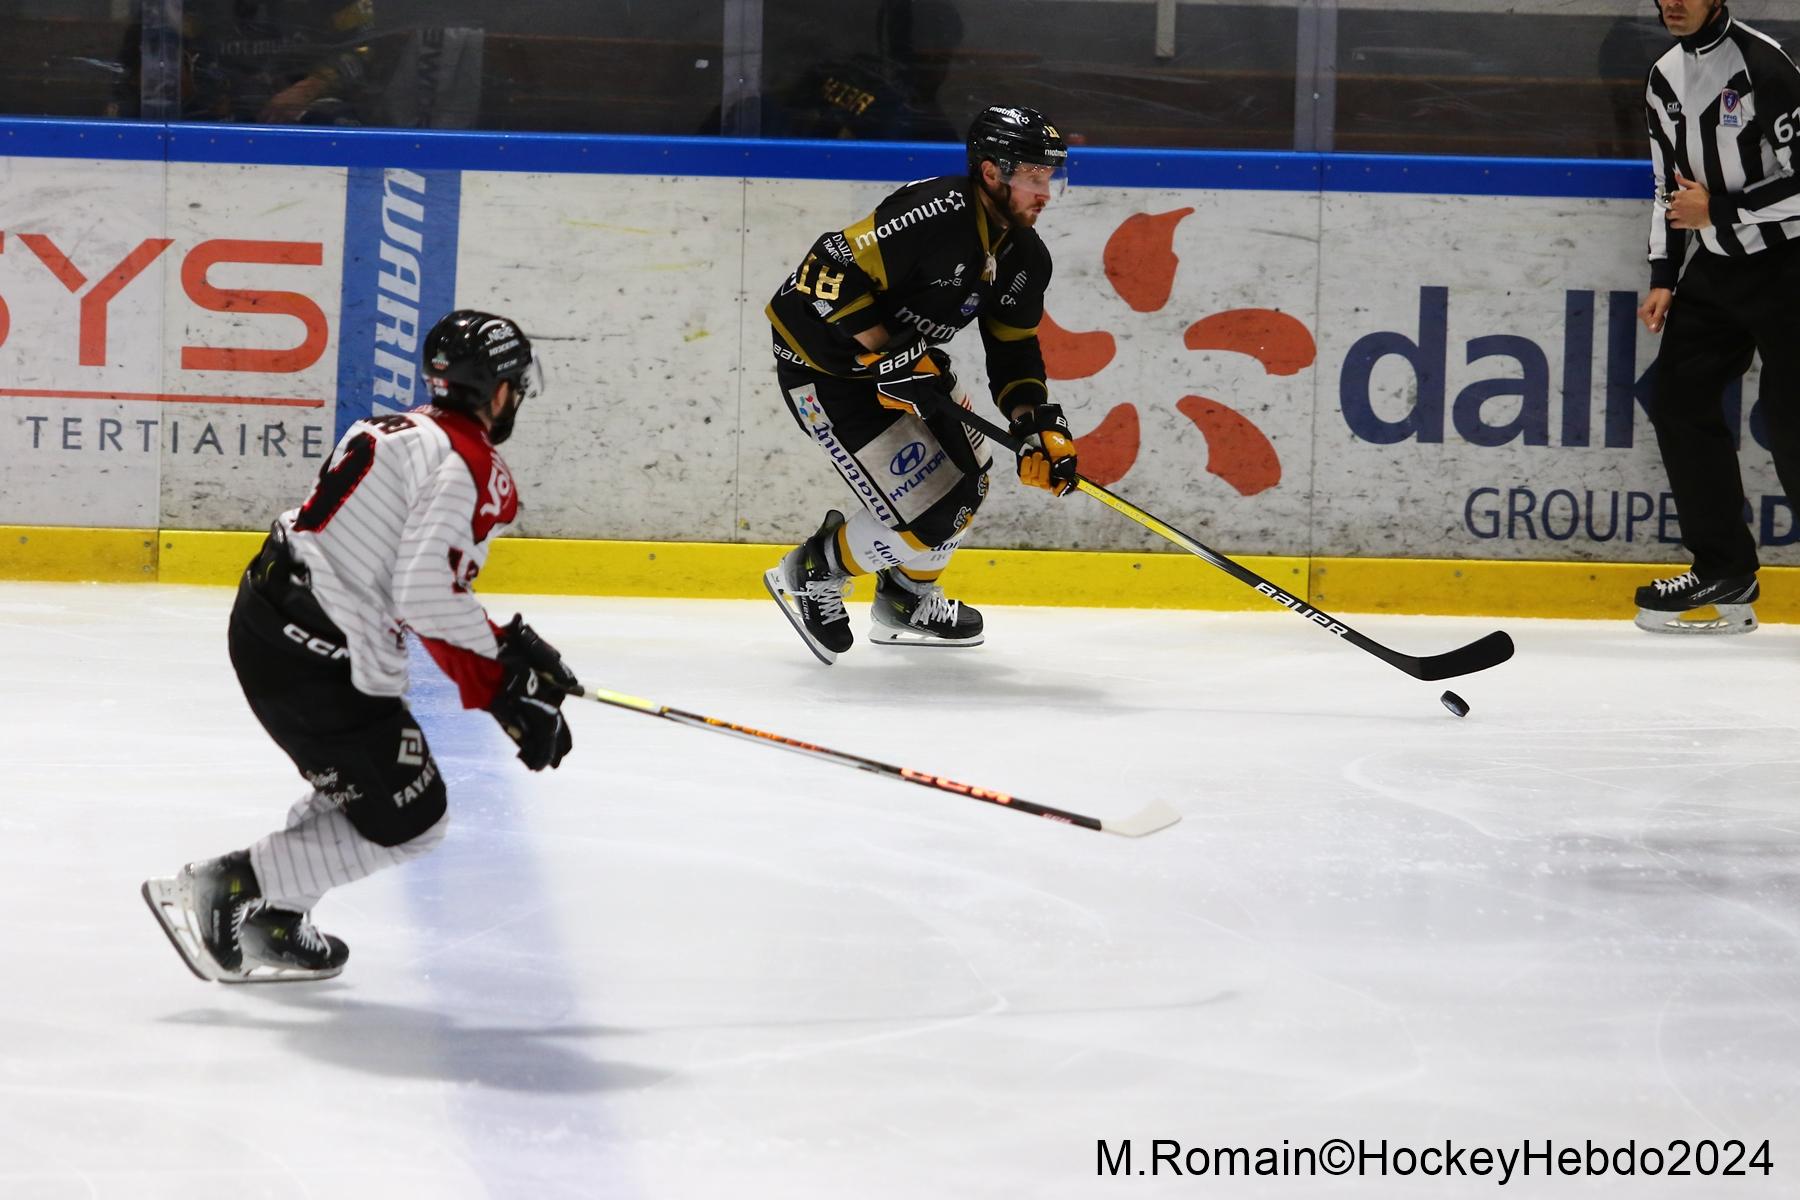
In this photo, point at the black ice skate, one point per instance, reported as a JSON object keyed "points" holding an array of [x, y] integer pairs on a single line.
{"points": [[202, 910], [1661, 603], [910, 613], [282, 944], [811, 593]]}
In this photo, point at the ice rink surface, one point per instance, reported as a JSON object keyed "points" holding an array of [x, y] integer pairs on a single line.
{"points": [[689, 966]]}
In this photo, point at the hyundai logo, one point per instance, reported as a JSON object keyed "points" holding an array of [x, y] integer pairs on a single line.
{"points": [[908, 460]]}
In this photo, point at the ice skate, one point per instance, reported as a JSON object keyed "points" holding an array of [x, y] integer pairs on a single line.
{"points": [[283, 945], [811, 593], [202, 910], [910, 613], [1662, 602]]}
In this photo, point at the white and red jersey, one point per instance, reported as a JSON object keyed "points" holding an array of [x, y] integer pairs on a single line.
{"points": [[394, 533]]}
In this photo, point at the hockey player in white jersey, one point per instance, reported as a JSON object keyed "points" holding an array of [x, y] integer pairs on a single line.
{"points": [[388, 543]]}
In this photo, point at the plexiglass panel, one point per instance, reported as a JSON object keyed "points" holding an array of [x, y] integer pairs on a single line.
{"points": [[67, 58], [1108, 72]]}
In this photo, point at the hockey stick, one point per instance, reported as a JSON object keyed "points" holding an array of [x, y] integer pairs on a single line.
{"points": [[1478, 655], [1152, 817]]}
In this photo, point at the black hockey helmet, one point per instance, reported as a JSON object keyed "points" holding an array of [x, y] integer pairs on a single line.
{"points": [[1012, 137], [467, 354]]}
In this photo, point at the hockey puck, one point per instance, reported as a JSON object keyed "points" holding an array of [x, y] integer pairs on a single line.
{"points": [[1455, 703]]}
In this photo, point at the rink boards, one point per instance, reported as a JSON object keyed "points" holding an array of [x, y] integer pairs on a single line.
{"points": [[1330, 362]]}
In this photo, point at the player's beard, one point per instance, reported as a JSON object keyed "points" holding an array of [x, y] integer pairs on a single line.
{"points": [[1025, 213], [502, 427], [1007, 201]]}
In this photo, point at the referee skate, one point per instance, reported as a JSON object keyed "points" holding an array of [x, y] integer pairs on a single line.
{"points": [[1665, 605]]}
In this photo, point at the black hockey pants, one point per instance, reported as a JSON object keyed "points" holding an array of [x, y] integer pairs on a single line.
{"points": [[923, 478], [365, 751]]}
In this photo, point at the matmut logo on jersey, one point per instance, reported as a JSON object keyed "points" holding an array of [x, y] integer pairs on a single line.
{"points": [[949, 202]]}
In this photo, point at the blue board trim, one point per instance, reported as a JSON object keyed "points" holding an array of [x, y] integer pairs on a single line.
{"points": [[401, 229], [1587, 178], [607, 154]]}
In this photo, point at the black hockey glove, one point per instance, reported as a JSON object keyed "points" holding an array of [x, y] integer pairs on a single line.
{"points": [[1046, 449], [534, 683]]}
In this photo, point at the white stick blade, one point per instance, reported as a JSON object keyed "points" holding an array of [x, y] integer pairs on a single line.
{"points": [[1152, 817]]}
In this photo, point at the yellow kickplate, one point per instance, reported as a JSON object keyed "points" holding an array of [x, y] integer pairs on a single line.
{"points": [[1514, 589], [697, 570], [77, 555], [205, 556], [728, 571], [1109, 580], [733, 571]]}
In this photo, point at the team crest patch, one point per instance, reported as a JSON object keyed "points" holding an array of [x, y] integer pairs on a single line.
{"points": [[971, 304], [1731, 108]]}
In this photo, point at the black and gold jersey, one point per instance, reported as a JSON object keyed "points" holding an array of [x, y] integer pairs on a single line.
{"points": [[925, 263]]}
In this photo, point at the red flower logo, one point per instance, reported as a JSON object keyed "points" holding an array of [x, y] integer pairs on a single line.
{"points": [[1140, 263]]}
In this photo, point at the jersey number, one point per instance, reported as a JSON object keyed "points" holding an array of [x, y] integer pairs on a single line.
{"points": [[340, 478], [826, 284], [1784, 127], [336, 482]]}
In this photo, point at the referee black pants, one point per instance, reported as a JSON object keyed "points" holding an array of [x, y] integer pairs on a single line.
{"points": [[1725, 310]]}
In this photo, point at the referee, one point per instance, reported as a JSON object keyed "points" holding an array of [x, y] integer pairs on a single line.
{"points": [[1724, 112]]}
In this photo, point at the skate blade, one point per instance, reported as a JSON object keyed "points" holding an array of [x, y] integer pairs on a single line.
{"points": [[169, 906], [772, 581], [261, 972], [1730, 619], [887, 635]]}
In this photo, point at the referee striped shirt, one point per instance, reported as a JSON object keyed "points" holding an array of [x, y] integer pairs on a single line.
{"points": [[1724, 110]]}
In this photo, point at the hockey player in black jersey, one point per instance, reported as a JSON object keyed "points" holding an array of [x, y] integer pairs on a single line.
{"points": [[389, 543], [857, 329]]}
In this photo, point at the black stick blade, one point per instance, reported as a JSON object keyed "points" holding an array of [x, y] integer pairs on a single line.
{"points": [[1478, 655]]}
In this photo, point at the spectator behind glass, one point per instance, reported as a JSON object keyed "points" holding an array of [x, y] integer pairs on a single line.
{"points": [[281, 62], [317, 62], [890, 95]]}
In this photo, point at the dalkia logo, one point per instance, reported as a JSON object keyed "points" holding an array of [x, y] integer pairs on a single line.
{"points": [[1140, 263]]}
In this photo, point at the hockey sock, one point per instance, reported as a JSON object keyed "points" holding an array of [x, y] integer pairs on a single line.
{"points": [[865, 545], [320, 849], [928, 566]]}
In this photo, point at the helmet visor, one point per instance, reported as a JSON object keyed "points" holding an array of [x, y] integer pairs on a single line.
{"points": [[1041, 179], [531, 383]]}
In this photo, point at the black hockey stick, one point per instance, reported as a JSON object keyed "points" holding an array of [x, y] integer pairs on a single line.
{"points": [[1478, 655], [1152, 817]]}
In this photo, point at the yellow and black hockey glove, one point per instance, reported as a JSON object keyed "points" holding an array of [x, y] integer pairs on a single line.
{"points": [[909, 376], [1046, 449]]}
